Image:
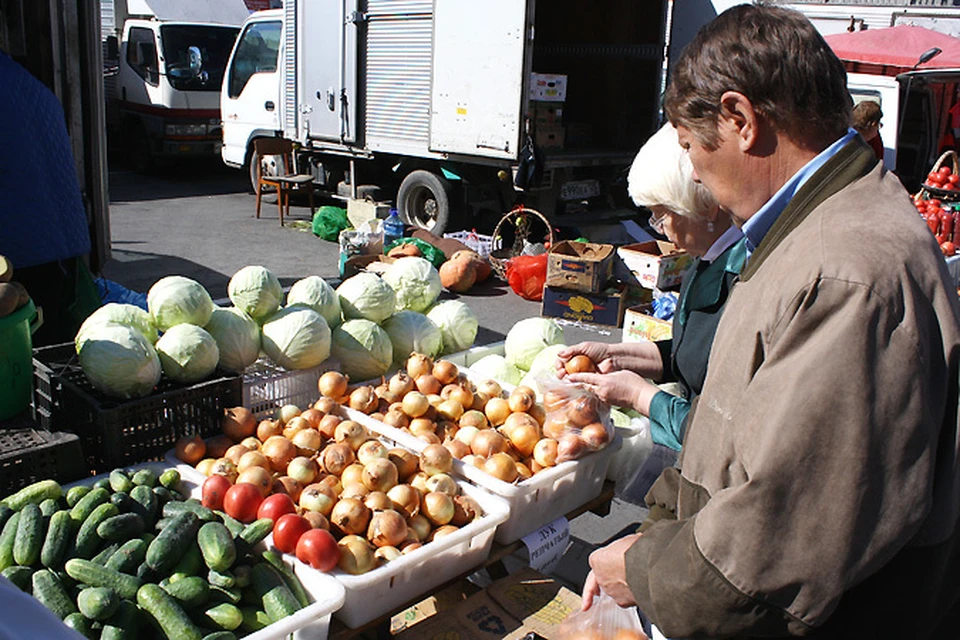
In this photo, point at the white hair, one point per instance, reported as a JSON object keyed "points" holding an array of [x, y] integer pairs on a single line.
{"points": [[662, 175]]}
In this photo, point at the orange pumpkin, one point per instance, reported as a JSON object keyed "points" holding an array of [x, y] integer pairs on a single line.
{"points": [[481, 265], [458, 275]]}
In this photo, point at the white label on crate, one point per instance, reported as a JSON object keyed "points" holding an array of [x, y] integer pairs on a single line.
{"points": [[547, 545]]}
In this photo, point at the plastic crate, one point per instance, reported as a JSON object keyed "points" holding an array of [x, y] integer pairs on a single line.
{"points": [[473, 240], [116, 433], [28, 455], [310, 623], [267, 387]]}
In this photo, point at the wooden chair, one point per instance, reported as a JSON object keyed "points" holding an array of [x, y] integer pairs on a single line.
{"points": [[279, 154]]}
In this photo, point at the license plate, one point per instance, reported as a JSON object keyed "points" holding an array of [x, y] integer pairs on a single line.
{"points": [[580, 190]]}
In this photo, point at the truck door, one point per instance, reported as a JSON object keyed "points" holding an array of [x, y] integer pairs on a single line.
{"points": [[478, 77], [326, 35]]}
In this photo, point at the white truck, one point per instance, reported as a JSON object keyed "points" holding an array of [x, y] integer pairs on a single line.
{"points": [[429, 103], [164, 67]]}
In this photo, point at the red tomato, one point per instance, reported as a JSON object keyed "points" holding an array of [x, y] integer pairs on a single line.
{"points": [[214, 489], [948, 248], [933, 179], [953, 179], [242, 501], [319, 549], [948, 187], [944, 172], [275, 506], [287, 531], [934, 202]]}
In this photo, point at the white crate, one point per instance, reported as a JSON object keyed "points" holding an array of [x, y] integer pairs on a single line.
{"points": [[473, 240], [267, 387], [310, 623]]}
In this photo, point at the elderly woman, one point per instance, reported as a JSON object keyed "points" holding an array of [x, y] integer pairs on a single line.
{"points": [[662, 179]]}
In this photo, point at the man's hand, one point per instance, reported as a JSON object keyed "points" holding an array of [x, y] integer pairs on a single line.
{"points": [[609, 572]]}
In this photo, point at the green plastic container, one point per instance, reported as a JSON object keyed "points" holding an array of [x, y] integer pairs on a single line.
{"points": [[16, 359]]}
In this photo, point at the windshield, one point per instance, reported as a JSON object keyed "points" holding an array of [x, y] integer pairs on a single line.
{"points": [[196, 56]]}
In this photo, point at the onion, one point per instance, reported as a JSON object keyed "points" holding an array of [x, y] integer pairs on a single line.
{"points": [[386, 396], [364, 399], [286, 412], [351, 516], [313, 417], [524, 438], [594, 436], [556, 424], [317, 497], [457, 448], [479, 401], [419, 426], [523, 471], [326, 405], [515, 420], [445, 371], [418, 364], [235, 452], [252, 443], [405, 499], [521, 399], [303, 469], [580, 364], [377, 501], [554, 400], [293, 425], [406, 462], [386, 554], [419, 482], [353, 473], [545, 452], [290, 486], [268, 428], [328, 425], [450, 410], [467, 434], [217, 446], [443, 483], [307, 441], [331, 481], [538, 413], [205, 466], [474, 460], [316, 520], [501, 466], [497, 410], [487, 442], [351, 433], [419, 526], [356, 555], [337, 457], [465, 510], [379, 475], [354, 490], [372, 449], [534, 466], [387, 529], [415, 404], [333, 384], [570, 447], [238, 423], [440, 532], [437, 507], [258, 477], [435, 458], [252, 459], [447, 430], [279, 452], [410, 547], [428, 385], [473, 418], [396, 419], [400, 384], [490, 387], [583, 410], [429, 438]]}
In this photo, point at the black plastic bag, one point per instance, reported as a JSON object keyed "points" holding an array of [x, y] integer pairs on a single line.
{"points": [[530, 167]]}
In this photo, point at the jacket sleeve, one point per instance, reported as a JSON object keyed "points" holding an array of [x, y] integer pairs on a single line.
{"points": [[835, 437], [668, 415]]}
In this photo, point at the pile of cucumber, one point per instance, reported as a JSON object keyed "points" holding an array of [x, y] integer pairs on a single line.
{"points": [[130, 557]]}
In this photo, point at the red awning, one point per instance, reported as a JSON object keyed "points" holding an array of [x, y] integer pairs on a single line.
{"points": [[899, 46]]}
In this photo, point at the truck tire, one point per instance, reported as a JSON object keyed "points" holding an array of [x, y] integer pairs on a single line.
{"points": [[424, 201]]}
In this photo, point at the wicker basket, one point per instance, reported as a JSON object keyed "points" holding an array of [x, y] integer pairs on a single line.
{"points": [[929, 191], [514, 230]]}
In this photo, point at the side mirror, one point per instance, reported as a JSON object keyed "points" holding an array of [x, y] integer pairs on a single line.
{"points": [[196, 60]]}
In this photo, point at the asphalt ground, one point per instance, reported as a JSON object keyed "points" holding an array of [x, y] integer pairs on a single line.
{"points": [[197, 220]]}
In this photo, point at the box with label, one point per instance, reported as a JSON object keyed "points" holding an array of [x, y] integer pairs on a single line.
{"points": [[547, 113], [640, 326], [656, 264], [548, 87], [604, 308], [581, 266], [549, 137]]}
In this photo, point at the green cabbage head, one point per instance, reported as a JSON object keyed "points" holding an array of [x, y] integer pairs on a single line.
{"points": [[363, 349], [237, 336], [296, 338], [367, 296], [187, 353], [529, 337], [415, 281], [496, 367], [255, 291], [118, 313], [411, 332], [119, 361], [177, 300], [457, 323], [316, 293]]}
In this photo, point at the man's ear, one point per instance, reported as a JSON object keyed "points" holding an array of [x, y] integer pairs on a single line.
{"points": [[740, 119]]}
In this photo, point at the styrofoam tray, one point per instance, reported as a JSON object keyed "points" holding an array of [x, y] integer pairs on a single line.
{"points": [[310, 623]]}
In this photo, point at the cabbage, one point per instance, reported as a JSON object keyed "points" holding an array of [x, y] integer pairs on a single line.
{"points": [[496, 367], [126, 314], [411, 332], [457, 323], [237, 336], [529, 337], [367, 296], [119, 361], [177, 300], [187, 353], [363, 349], [543, 367], [316, 293], [296, 338], [255, 291], [415, 281]]}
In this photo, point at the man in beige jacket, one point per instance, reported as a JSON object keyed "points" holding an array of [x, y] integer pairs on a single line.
{"points": [[818, 490]]}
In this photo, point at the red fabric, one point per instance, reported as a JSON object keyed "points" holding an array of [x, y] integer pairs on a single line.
{"points": [[527, 275], [899, 46]]}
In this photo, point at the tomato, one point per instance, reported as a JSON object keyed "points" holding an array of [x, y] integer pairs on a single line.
{"points": [[948, 248], [319, 549], [948, 187], [275, 506], [287, 531], [953, 179], [213, 490], [944, 172], [242, 501], [933, 179], [934, 202]]}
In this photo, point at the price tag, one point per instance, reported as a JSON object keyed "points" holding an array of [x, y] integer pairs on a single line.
{"points": [[547, 545]]}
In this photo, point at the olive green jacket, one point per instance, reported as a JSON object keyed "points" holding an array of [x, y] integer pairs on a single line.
{"points": [[820, 486]]}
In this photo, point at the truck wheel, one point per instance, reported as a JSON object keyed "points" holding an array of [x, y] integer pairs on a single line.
{"points": [[424, 201]]}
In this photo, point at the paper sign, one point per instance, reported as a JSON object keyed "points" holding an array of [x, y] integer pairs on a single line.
{"points": [[546, 545]]}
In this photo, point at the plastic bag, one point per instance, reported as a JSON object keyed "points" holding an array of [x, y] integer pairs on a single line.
{"points": [[576, 418], [329, 221], [427, 250], [527, 275], [604, 620]]}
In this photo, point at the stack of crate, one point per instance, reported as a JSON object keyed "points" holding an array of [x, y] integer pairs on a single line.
{"points": [[580, 285], [547, 95]]}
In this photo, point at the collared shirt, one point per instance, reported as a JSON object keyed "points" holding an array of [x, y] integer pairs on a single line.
{"points": [[756, 228], [722, 243]]}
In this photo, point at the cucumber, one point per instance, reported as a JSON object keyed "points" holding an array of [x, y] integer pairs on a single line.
{"points": [[216, 545], [123, 624], [93, 575], [256, 531], [121, 527], [146, 573], [177, 507], [48, 589], [145, 477], [289, 577], [85, 506], [88, 542], [98, 603], [191, 591], [7, 537], [105, 554], [278, 601], [79, 623], [59, 533], [120, 481], [34, 494], [254, 619], [168, 613], [75, 493], [129, 556], [20, 576], [162, 523], [102, 483], [223, 579], [149, 504], [49, 507], [172, 542], [164, 495], [241, 575], [220, 635], [224, 615], [5, 513], [29, 538], [170, 479], [235, 526], [191, 563], [125, 503], [223, 594]]}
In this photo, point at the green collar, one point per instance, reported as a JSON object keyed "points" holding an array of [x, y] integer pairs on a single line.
{"points": [[706, 287]]}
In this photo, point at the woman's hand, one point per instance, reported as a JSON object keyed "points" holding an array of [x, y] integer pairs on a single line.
{"points": [[609, 572], [620, 388], [642, 358]]}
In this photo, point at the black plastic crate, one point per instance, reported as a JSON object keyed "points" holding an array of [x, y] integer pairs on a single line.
{"points": [[117, 433], [28, 455]]}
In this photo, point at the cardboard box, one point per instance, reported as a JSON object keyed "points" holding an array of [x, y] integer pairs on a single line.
{"points": [[581, 266], [657, 264], [547, 113], [548, 87], [549, 137], [640, 326], [604, 308]]}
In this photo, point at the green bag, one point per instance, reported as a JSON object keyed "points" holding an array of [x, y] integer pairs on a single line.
{"points": [[329, 221], [427, 250]]}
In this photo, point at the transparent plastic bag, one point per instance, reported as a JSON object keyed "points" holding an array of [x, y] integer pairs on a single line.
{"points": [[604, 620], [575, 418]]}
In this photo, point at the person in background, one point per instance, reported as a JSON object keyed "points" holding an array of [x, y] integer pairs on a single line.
{"points": [[866, 120], [819, 488]]}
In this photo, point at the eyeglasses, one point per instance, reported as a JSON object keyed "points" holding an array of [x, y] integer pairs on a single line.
{"points": [[656, 222]]}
